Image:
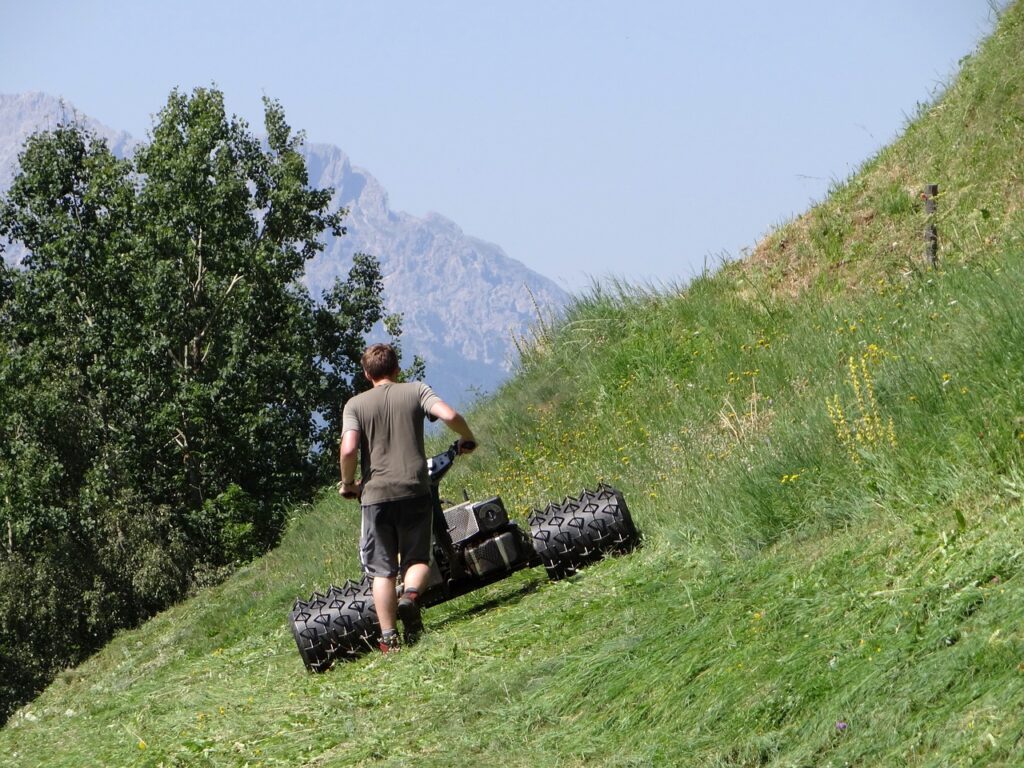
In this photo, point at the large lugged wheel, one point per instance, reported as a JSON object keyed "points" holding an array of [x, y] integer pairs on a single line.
{"points": [[355, 628], [582, 529], [624, 534], [309, 627], [339, 625]]}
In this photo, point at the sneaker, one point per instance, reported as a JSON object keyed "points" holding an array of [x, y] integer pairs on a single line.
{"points": [[389, 643], [412, 620]]}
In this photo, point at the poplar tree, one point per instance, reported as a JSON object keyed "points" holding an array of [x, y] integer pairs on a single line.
{"points": [[168, 387]]}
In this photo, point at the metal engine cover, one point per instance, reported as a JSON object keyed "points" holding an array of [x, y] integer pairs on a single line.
{"points": [[473, 517], [498, 553]]}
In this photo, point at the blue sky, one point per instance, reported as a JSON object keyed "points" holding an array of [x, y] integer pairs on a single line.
{"points": [[642, 139]]}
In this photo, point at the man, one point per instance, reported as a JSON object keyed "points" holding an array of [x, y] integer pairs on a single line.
{"points": [[384, 428]]}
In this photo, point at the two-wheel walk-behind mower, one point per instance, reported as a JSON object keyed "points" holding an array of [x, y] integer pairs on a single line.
{"points": [[475, 544]]}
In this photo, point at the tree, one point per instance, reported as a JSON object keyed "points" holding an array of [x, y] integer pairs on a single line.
{"points": [[161, 368]]}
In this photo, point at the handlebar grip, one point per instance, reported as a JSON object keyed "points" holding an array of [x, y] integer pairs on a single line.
{"points": [[467, 445]]}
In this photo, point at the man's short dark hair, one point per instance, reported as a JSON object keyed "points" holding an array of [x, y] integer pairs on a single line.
{"points": [[380, 361]]}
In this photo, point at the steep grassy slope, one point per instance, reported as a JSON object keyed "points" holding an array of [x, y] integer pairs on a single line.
{"points": [[968, 142], [824, 447]]}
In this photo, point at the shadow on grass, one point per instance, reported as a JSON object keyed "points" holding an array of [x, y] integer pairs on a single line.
{"points": [[509, 595]]}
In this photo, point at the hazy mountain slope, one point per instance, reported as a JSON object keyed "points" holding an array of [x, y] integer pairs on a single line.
{"points": [[462, 298]]}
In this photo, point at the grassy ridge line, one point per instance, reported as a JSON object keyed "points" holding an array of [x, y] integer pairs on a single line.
{"points": [[785, 590], [968, 142]]}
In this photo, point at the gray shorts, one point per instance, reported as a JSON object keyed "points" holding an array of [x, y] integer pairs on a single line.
{"points": [[395, 532]]}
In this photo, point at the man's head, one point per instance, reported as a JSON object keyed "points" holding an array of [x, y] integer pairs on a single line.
{"points": [[380, 362]]}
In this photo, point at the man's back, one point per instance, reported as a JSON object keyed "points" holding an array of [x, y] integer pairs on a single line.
{"points": [[389, 418]]}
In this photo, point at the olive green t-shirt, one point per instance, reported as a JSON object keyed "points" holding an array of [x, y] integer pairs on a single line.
{"points": [[389, 419]]}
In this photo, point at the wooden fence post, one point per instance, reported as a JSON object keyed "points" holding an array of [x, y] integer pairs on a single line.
{"points": [[931, 233]]}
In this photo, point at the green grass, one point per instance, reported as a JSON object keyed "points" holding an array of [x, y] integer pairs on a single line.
{"points": [[798, 600]]}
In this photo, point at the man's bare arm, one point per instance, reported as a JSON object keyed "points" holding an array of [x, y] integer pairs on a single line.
{"points": [[349, 452], [456, 423]]}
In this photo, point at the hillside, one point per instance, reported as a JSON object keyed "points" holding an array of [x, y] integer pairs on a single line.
{"points": [[462, 298], [824, 447]]}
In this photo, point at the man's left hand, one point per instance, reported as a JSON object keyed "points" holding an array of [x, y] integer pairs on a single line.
{"points": [[351, 490]]}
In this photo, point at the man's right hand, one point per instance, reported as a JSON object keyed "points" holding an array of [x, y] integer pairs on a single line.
{"points": [[467, 445], [351, 490]]}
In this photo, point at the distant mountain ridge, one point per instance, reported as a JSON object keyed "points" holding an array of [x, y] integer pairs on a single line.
{"points": [[23, 114], [462, 298]]}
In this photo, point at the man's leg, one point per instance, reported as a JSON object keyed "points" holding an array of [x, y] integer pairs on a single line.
{"points": [[414, 546], [386, 599], [377, 547], [416, 577], [409, 607]]}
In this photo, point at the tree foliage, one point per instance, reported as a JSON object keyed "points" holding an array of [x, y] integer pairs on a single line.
{"points": [[167, 383]]}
